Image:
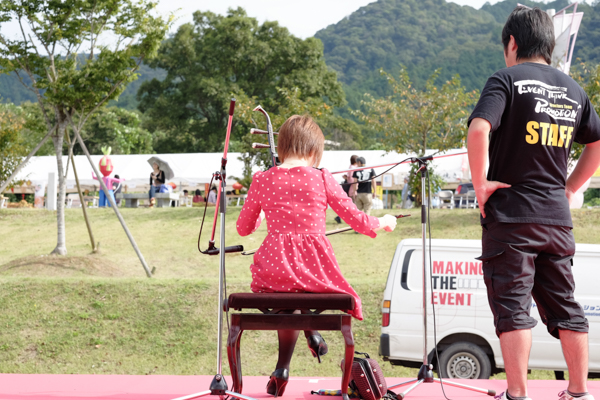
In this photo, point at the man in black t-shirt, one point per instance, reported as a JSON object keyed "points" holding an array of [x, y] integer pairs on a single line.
{"points": [[534, 113], [366, 186]]}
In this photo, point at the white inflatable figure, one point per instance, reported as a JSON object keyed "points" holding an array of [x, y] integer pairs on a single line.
{"points": [[577, 200]]}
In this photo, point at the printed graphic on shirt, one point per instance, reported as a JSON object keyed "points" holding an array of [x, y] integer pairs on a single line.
{"points": [[554, 102], [363, 175]]}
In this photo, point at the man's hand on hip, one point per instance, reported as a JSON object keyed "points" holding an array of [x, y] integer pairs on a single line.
{"points": [[485, 190]]}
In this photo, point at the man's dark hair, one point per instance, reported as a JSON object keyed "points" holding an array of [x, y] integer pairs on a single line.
{"points": [[533, 31]]}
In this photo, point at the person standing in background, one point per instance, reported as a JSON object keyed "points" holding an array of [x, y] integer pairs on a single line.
{"points": [[157, 178], [366, 187], [117, 187], [353, 165]]}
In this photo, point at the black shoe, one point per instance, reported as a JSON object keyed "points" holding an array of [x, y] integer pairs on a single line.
{"points": [[317, 346], [278, 382], [338, 220]]}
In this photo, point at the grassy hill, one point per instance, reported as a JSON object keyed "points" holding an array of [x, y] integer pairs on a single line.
{"points": [[98, 313]]}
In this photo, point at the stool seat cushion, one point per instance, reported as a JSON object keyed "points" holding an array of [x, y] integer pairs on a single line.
{"points": [[291, 301]]}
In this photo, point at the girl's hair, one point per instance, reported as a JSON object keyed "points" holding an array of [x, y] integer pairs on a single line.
{"points": [[198, 193], [353, 159], [301, 137]]}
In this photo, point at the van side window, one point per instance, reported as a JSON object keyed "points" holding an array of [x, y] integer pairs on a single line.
{"points": [[404, 277]]}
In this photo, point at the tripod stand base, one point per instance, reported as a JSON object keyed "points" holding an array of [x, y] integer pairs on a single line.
{"points": [[218, 387], [426, 376]]}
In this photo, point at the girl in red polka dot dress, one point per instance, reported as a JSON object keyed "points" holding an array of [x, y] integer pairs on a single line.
{"points": [[296, 256]]}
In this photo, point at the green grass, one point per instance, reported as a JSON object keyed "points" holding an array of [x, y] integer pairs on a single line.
{"points": [[98, 313]]}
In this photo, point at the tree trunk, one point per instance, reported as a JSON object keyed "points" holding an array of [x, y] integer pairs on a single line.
{"points": [[58, 139]]}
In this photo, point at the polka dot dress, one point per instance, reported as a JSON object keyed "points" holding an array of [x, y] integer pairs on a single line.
{"points": [[296, 256]]}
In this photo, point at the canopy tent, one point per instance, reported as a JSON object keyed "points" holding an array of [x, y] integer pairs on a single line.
{"points": [[196, 169]]}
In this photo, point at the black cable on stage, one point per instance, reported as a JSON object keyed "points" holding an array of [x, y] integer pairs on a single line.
{"points": [[204, 216], [437, 356]]}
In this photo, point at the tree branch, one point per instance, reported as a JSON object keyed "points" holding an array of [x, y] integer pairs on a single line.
{"points": [[24, 162]]}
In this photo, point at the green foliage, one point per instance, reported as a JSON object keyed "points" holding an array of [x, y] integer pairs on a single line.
{"points": [[12, 145], [118, 129], [35, 128], [69, 25], [588, 78], [415, 120], [219, 57]]}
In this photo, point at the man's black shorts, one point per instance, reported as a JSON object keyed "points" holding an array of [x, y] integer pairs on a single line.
{"points": [[521, 260]]}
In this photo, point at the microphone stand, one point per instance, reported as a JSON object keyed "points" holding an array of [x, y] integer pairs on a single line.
{"points": [[425, 374], [218, 386]]}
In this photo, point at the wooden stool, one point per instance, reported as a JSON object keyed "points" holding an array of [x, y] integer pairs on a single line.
{"points": [[274, 306]]}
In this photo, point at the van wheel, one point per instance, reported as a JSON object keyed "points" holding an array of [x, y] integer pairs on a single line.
{"points": [[464, 360]]}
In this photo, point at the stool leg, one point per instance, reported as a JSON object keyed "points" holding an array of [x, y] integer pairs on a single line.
{"points": [[233, 353], [349, 354]]}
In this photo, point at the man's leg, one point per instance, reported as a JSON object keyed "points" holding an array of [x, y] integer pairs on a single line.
{"points": [[575, 348], [359, 201], [516, 346], [368, 203]]}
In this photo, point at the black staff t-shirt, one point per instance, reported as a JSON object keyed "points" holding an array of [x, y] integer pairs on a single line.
{"points": [[536, 113], [364, 175]]}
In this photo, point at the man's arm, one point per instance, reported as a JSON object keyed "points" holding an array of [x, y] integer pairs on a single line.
{"points": [[586, 166], [477, 145]]}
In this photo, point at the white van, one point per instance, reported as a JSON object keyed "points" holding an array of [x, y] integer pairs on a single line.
{"points": [[466, 340]]}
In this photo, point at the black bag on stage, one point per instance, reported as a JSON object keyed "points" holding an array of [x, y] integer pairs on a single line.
{"points": [[367, 378]]}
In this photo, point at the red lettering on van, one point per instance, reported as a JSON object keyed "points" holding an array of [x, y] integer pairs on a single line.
{"points": [[438, 267], [458, 268], [469, 298], [442, 297], [434, 298], [449, 268], [473, 268], [451, 299], [480, 268], [460, 299]]}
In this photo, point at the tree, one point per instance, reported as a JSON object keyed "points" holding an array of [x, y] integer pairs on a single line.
{"points": [[217, 57], [416, 120], [12, 145], [72, 86], [588, 78], [117, 128]]}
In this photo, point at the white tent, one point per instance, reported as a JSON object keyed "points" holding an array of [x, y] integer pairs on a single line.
{"points": [[196, 169]]}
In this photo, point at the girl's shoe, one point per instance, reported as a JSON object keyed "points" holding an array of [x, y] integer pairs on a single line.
{"points": [[278, 382], [317, 346]]}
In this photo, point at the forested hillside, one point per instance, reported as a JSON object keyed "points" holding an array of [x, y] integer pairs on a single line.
{"points": [[424, 35], [12, 91]]}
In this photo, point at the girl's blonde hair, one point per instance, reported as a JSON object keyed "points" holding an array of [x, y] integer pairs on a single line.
{"points": [[301, 137]]}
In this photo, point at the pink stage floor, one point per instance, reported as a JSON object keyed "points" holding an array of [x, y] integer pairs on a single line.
{"points": [[164, 387]]}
